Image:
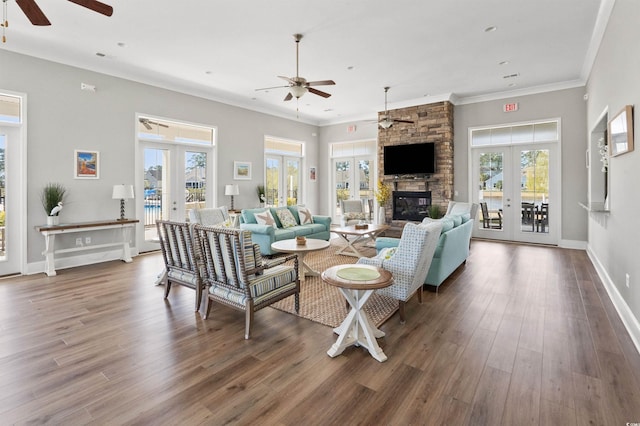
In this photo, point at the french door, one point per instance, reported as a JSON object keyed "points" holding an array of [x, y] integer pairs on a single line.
{"points": [[517, 188], [282, 180], [353, 179], [176, 178], [11, 219]]}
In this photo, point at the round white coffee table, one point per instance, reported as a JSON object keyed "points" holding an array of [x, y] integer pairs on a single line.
{"points": [[291, 246]]}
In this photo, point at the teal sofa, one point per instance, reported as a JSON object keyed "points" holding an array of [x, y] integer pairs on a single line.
{"points": [[264, 235], [452, 249]]}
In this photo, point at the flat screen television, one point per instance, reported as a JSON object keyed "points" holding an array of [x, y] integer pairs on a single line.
{"points": [[411, 159]]}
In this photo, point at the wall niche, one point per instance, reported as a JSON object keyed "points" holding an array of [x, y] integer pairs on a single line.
{"points": [[431, 123]]}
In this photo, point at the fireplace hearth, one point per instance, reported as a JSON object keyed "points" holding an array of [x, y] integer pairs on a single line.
{"points": [[411, 205]]}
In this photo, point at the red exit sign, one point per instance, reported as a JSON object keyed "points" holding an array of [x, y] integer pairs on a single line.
{"points": [[510, 107]]}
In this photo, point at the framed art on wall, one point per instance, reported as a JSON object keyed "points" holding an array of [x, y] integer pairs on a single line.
{"points": [[312, 174], [242, 170], [86, 164], [621, 132]]}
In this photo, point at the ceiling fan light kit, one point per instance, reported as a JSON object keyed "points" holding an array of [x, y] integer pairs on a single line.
{"points": [[298, 86], [386, 122]]}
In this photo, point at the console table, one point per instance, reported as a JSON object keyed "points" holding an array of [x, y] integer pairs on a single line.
{"points": [[50, 231]]}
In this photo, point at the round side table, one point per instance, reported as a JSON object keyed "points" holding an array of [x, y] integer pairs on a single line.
{"points": [[357, 283]]}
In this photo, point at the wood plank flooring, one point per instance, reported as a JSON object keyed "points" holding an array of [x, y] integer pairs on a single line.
{"points": [[519, 335]]}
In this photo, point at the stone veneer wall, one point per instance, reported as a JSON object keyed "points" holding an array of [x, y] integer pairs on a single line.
{"points": [[432, 123]]}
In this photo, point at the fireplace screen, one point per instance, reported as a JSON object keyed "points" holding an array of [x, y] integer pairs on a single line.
{"points": [[411, 205]]}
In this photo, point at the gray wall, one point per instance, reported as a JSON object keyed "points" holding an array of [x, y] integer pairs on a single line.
{"points": [[62, 118], [365, 131], [570, 107], [614, 82]]}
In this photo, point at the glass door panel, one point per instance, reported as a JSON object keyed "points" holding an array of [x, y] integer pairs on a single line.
{"points": [[11, 221], [292, 180], [343, 182], [272, 181], [175, 180], [515, 186]]}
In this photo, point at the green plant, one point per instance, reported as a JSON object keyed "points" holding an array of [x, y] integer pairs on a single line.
{"points": [[261, 193], [52, 194], [2, 215], [382, 193], [434, 211]]}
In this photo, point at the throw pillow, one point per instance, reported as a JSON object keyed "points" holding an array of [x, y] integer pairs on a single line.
{"points": [[265, 218], [456, 218], [354, 215], [305, 215], [387, 253], [286, 218]]}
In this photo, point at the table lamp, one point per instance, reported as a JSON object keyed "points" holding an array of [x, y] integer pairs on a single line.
{"points": [[122, 192], [231, 190]]}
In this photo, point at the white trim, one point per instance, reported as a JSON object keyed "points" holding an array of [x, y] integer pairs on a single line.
{"points": [[604, 13], [573, 244], [624, 312]]}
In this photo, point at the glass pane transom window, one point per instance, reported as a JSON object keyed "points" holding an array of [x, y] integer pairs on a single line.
{"points": [[546, 131], [10, 107], [159, 130]]}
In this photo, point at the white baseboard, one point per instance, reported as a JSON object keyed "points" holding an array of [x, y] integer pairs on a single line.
{"points": [[624, 312], [573, 244], [80, 260]]}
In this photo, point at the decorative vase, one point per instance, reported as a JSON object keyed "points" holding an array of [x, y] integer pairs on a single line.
{"points": [[53, 220], [382, 216]]}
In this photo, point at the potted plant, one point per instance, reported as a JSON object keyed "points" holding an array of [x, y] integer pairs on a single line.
{"points": [[383, 195], [52, 197], [434, 211], [261, 195]]}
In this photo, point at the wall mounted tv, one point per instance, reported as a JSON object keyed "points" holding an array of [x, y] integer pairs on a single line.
{"points": [[411, 159]]}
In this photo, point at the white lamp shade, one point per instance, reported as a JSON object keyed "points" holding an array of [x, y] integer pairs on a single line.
{"points": [[231, 190], [297, 91], [122, 192]]}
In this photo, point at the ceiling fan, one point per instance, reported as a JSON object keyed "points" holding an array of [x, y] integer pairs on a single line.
{"points": [[37, 17], [386, 121], [147, 123], [298, 86]]}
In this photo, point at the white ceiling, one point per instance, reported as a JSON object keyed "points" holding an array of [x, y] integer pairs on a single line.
{"points": [[425, 50]]}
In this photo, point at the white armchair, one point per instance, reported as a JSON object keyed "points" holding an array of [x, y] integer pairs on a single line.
{"points": [[353, 212], [409, 262]]}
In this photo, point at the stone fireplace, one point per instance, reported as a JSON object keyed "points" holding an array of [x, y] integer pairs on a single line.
{"points": [[410, 205], [431, 123]]}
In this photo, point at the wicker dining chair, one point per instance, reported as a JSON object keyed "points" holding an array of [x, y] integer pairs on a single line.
{"points": [[235, 275]]}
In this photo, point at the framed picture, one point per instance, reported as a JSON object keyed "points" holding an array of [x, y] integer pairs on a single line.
{"points": [[86, 164], [621, 132], [242, 170], [312, 174]]}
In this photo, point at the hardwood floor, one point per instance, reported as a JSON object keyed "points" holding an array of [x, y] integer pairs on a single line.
{"points": [[519, 335]]}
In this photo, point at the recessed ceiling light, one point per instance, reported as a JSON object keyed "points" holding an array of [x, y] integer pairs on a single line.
{"points": [[102, 55], [121, 44], [514, 75], [207, 72], [503, 63], [254, 99], [512, 84], [328, 110], [490, 29], [350, 67]]}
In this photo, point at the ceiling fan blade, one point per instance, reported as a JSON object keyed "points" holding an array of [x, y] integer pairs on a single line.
{"points": [[403, 121], [290, 80], [288, 97], [274, 87], [318, 92], [321, 83], [33, 12], [95, 5]]}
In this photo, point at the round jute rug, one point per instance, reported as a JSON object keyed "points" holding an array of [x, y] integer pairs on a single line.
{"points": [[324, 304]]}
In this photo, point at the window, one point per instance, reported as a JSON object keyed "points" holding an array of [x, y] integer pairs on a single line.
{"points": [[10, 109]]}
